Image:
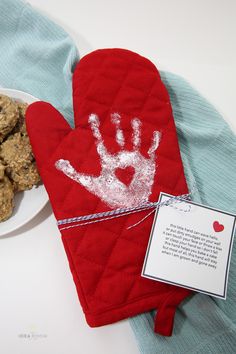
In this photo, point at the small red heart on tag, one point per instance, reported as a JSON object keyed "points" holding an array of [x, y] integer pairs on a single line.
{"points": [[217, 226], [125, 175]]}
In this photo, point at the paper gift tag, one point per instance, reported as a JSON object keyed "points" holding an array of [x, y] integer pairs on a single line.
{"points": [[190, 246]]}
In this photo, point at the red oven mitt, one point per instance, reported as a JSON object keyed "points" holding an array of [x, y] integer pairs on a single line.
{"points": [[122, 153]]}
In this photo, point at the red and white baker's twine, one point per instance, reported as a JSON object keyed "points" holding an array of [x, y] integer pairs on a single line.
{"points": [[77, 221]]}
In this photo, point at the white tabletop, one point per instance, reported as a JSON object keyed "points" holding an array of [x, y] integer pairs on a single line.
{"points": [[39, 308]]}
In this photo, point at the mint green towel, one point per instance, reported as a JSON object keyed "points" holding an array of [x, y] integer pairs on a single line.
{"points": [[38, 57], [203, 324]]}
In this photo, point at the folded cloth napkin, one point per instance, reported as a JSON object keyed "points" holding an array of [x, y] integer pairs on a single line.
{"points": [[38, 57]]}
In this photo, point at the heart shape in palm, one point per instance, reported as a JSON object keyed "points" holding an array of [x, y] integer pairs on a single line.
{"points": [[108, 187], [125, 175]]}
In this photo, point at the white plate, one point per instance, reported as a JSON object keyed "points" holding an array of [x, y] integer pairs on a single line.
{"points": [[28, 203]]}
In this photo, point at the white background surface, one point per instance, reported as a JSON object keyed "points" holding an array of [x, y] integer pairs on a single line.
{"points": [[195, 39]]}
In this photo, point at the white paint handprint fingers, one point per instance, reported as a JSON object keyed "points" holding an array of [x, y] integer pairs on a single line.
{"points": [[115, 118], [108, 186], [69, 171], [155, 143], [95, 123], [136, 136]]}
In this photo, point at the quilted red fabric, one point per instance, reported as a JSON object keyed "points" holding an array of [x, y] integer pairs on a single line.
{"points": [[123, 152]]}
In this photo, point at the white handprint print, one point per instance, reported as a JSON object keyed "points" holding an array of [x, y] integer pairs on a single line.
{"points": [[107, 186]]}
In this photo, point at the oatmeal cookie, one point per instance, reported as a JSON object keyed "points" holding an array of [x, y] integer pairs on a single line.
{"points": [[16, 151], [24, 177], [2, 170], [6, 198], [20, 125], [18, 170], [9, 115]]}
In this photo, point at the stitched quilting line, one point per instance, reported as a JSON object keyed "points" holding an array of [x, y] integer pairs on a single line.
{"points": [[171, 294], [92, 80], [128, 72], [134, 275], [91, 99], [74, 272], [99, 73], [135, 242], [111, 307], [131, 288], [124, 80], [106, 266], [129, 274]]}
